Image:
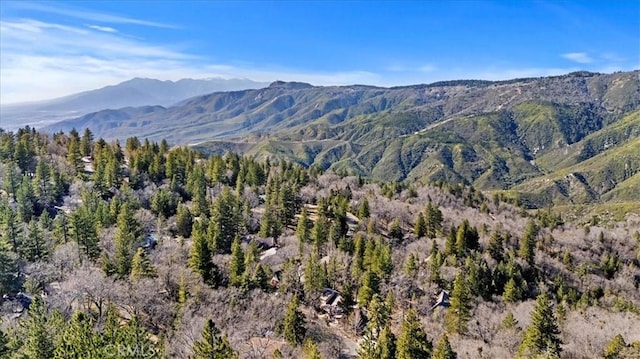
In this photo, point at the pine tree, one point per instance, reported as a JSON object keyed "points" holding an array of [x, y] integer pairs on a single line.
{"points": [[542, 335], [303, 231], [443, 349], [35, 247], [213, 345], [260, 278], [420, 228], [395, 231], [511, 292], [237, 266], [26, 200], [82, 229], [8, 266], [378, 341], [459, 313], [10, 229], [184, 221], [411, 266], [200, 255], [386, 346], [141, 266], [11, 179], [224, 222], [134, 336], [293, 327], [319, 235], [197, 188], [615, 346], [86, 142], [74, 157], [369, 287], [78, 339], [37, 339], [450, 242], [495, 246], [42, 183], [433, 221], [357, 264], [363, 210], [128, 233], [527, 243], [310, 350], [315, 278], [466, 239], [413, 341]]}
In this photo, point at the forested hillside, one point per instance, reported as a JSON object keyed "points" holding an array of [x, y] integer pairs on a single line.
{"points": [[560, 140], [142, 250]]}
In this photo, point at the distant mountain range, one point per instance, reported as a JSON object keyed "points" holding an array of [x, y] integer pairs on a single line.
{"points": [[564, 139], [134, 92]]}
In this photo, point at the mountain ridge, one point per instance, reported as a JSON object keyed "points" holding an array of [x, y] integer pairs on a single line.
{"points": [[135, 92], [494, 135]]}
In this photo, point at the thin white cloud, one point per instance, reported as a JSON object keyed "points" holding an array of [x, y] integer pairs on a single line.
{"points": [[87, 14], [102, 28], [73, 59], [427, 68], [579, 57]]}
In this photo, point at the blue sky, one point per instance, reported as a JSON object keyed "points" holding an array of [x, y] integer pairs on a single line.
{"points": [[54, 48]]}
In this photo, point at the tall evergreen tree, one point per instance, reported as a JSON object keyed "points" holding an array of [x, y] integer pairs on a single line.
{"points": [[200, 256], [141, 266], [527, 243], [184, 221], [35, 246], [86, 142], [420, 228], [8, 266], [82, 229], [213, 345], [37, 341], [303, 230], [10, 228], [386, 346], [26, 200], [310, 350], [314, 277], [128, 234], [459, 313], [197, 188], [542, 335], [395, 231], [369, 287], [443, 349], [511, 292], [237, 266], [413, 341], [495, 249], [78, 339], [42, 183], [224, 222], [433, 220], [293, 327], [11, 178], [363, 210]]}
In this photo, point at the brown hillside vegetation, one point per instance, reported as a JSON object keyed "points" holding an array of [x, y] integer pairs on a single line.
{"points": [[163, 252]]}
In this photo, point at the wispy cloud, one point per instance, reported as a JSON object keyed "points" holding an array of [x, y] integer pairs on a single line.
{"points": [[579, 57], [102, 28], [71, 59], [428, 68], [87, 14]]}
